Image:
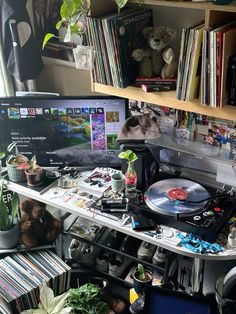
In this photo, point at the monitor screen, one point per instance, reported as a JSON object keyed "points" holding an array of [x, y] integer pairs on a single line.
{"points": [[75, 131], [163, 301]]}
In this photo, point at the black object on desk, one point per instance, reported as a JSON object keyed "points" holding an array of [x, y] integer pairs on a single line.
{"points": [[141, 222], [42, 188]]}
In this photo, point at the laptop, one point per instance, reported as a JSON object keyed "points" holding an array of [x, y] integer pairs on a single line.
{"points": [[162, 301]]}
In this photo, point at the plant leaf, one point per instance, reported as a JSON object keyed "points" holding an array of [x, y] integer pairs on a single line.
{"points": [[15, 203], [32, 311], [11, 146], [129, 155], [4, 218], [47, 37], [121, 3], [58, 303], [2, 155], [46, 295], [58, 25], [66, 8]]}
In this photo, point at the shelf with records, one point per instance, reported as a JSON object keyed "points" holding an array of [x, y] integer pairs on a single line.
{"points": [[110, 76]]}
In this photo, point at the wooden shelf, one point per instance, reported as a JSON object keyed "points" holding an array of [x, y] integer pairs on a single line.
{"points": [[191, 5], [167, 99]]}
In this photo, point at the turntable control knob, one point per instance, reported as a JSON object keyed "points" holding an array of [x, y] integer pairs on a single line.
{"points": [[217, 209], [197, 218]]}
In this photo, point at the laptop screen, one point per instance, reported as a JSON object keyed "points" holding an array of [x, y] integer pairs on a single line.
{"points": [[163, 301]]}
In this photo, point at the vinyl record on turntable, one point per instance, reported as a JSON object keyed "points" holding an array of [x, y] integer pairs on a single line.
{"points": [[181, 197]]}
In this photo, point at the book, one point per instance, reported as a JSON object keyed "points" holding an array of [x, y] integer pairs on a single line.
{"points": [[182, 54], [97, 181], [228, 49], [195, 66], [147, 83], [127, 31], [158, 87]]}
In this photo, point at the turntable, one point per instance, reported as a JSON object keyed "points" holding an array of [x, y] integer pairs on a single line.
{"points": [[185, 204]]}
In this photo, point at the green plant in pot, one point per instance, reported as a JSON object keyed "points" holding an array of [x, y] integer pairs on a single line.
{"points": [[9, 223], [33, 172], [87, 299], [72, 22], [141, 277], [14, 162], [130, 174]]}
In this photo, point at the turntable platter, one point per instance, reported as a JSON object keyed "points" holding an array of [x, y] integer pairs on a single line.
{"points": [[177, 197]]}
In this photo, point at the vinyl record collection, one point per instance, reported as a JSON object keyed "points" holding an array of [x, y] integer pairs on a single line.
{"points": [[21, 274]]}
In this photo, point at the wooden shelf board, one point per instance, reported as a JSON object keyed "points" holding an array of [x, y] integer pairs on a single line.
{"points": [[166, 99], [191, 5]]}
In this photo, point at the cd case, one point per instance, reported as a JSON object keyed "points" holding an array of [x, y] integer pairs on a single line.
{"points": [[140, 222]]}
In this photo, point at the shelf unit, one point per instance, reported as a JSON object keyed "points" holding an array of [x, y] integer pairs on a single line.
{"points": [[214, 14]]}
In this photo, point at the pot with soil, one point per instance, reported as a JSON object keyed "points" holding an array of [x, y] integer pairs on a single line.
{"points": [[34, 173], [141, 277]]}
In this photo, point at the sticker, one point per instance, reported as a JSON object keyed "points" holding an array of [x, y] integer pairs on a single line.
{"points": [[167, 233]]}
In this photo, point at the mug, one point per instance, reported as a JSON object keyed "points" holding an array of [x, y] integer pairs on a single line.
{"points": [[117, 182]]}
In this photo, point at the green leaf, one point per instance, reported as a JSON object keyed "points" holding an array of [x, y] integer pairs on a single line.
{"points": [[121, 3], [15, 205], [11, 146], [66, 9], [2, 155], [129, 155], [58, 25], [4, 218], [47, 37]]}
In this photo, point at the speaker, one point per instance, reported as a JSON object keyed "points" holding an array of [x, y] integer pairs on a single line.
{"points": [[146, 166]]}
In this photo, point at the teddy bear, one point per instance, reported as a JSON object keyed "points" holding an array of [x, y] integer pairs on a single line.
{"points": [[158, 58], [37, 225]]}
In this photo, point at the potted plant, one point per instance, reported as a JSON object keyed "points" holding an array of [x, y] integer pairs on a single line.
{"points": [[33, 172], [9, 222], [130, 175], [87, 299], [141, 277], [72, 22], [14, 162]]}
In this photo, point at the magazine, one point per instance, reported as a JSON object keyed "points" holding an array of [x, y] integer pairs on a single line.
{"points": [[98, 181]]}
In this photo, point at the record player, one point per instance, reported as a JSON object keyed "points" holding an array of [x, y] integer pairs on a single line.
{"points": [[181, 201]]}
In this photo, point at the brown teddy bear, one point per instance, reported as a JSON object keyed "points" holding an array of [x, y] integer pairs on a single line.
{"points": [[37, 226], [158, 58]]}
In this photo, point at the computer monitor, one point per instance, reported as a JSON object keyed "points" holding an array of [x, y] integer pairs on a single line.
{"points": [[60, 131], [162, 301]]}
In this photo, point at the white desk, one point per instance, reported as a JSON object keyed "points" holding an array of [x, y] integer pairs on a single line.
{"points": [[169, 243]]}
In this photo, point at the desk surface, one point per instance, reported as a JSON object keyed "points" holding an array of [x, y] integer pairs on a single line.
{"points": [[169, 243]]}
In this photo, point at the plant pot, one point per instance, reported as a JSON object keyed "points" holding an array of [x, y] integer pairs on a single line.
{"points": [[139, 285], [34, 178], [10, 238], [14, 173]]}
